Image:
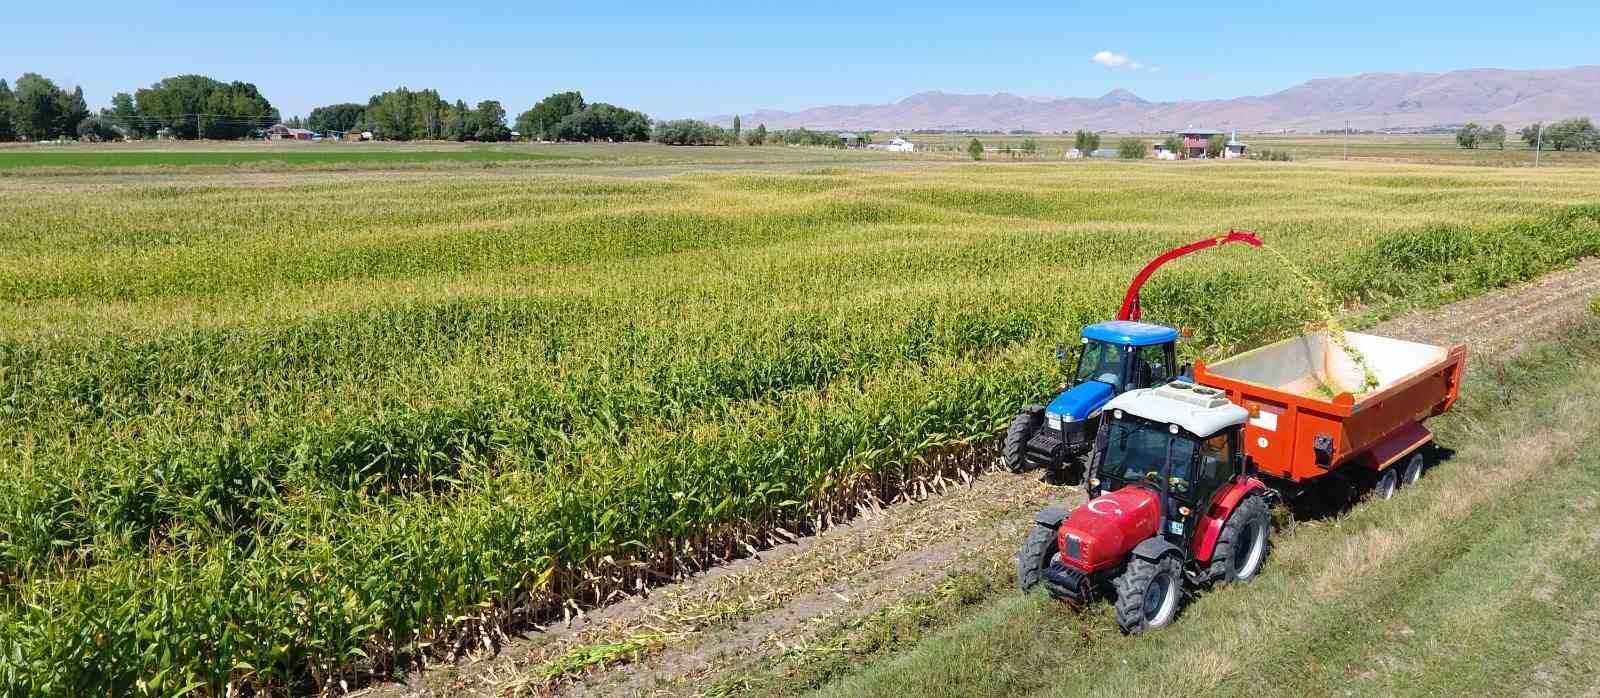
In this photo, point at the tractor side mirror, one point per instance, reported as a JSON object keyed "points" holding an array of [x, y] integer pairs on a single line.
{"points": [[1208, 468], [1061, 353]]}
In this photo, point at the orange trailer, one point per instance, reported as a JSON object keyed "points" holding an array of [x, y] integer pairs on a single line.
{"points": [[1309, 416]]}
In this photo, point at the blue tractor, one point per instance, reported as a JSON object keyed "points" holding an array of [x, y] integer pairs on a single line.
{"points": [[1112, 357]]}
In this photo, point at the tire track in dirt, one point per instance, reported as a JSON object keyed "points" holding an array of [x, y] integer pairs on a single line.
{"points": [[679, 638], [1500, 321]]}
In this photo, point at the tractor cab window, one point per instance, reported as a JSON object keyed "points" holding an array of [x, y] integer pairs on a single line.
{"points": [[1153, 365], [1101, 362], [1219, 457], [1135, 451]]}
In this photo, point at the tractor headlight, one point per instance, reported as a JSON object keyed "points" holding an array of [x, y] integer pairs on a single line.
{"points": [[1054, 420]]}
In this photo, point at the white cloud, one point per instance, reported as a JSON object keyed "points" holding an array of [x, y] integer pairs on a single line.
{"points": [[1117, 60]]}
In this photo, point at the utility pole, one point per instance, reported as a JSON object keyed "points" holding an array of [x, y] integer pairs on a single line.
{"points": [[1347, 139], [1538, 145]]}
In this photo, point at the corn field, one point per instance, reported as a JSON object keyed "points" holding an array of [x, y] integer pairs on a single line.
{"points": [[271, 432]]}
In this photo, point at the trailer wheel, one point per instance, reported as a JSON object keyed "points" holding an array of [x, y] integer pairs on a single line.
{"points": [[1242, 546], [1038, 549], [1386, 484], [1014, 451], [1149, 594], [1413, 470]]}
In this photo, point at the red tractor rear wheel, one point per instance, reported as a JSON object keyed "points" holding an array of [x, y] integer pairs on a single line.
{"points": [[1242, 546]]}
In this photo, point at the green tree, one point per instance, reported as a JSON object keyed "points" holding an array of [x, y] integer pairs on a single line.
{"points": [[1496, 136], [1133, 149], [491, 122], [73, 111], [689, 132], [458, 122], [192, 104], [405, 115], [1086, 141], [125, 117], [1567, 134], [736, 129], [1029, 146], [975, 149], [38, 112], [540, 122], [8, 113], [1530, 134], [1174, 144], [97, 129], [1215, 145], [758, 136], [1468, 136], [337, 117]]}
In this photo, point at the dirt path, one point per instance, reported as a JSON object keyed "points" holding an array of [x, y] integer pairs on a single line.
{"points": [[1501, 321], [679, 639]]}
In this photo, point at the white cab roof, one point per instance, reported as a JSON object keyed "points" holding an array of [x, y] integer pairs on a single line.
{"points": [[1200, 410]]}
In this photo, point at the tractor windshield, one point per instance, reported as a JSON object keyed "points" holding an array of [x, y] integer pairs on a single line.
{"points": [[1101, 362], [1135, 450]]}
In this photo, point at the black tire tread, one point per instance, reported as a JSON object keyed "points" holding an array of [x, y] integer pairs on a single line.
{"points": [[1220, 572], [1013, 451], [1131, 585], [1037, 549]]}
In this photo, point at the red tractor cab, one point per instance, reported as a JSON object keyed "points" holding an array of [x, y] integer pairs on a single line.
{"points": [[1173, 501]]}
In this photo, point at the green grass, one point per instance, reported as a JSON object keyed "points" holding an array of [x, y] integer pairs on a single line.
{"points": [[1483, 578], [289, 154], [273, 430]]}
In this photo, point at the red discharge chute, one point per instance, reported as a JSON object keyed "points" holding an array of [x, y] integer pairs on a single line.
{"points": [[1130, 302]]}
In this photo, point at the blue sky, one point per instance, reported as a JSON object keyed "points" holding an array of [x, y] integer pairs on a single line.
{"points": [[697, 59]]}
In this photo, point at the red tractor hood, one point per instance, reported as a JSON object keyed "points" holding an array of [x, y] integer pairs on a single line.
{"points": [[1102, 531]]}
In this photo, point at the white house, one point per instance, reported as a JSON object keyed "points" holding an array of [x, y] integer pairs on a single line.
{"points": [[898, 145], [1235, 148]]}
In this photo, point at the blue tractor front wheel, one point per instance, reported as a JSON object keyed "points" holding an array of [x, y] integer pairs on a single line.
{"points": [[1014, 450]]}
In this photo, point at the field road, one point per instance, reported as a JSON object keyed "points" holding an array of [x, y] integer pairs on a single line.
{"points": [[682, 639]]}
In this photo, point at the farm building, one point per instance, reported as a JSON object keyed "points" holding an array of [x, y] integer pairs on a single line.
{"points": [[1235, 148], [1160, 152], [897, 145], [1105, 153], [851, 140], [1194, 141], [280, 132]]}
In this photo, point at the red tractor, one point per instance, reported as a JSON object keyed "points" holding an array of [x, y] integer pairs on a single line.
{"points": [[1172, 499]]}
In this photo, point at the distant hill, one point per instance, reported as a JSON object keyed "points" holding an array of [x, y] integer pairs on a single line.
{"points": [[1369, 101]]}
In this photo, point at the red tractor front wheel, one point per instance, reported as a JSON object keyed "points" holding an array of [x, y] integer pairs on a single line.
{"points": [[1149, 594]]}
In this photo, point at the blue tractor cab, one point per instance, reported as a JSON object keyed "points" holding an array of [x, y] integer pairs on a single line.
{"points": [[1112, 357]]}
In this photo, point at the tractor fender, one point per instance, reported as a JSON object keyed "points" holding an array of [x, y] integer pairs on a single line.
{"points": [[1155, 548], [1051, 517], [1222, 505]]}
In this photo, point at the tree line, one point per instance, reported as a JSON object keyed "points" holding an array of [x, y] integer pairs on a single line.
{"points": [[197, 106], [1577, 134]]}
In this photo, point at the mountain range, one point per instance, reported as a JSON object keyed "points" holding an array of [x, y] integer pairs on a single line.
{"points": [[1396, 101]]}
